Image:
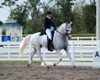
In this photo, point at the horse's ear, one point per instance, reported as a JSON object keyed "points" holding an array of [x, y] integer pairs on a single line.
{"points": [[71, 23]]}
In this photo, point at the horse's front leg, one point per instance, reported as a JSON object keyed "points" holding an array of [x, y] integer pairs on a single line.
{"points": [[60, 57], [68, 54]]}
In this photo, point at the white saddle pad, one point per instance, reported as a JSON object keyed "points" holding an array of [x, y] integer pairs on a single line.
{"points": [[44, 38]]}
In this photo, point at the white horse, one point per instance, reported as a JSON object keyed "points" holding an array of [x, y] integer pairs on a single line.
{"points": [[59, 42]]}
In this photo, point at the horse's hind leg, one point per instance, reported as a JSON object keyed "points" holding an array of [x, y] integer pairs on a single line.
{"points": [[60, 58], [39, 52], [31, 57]]}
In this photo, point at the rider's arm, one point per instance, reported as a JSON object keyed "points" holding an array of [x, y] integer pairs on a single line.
{"points": [[53, 25]]}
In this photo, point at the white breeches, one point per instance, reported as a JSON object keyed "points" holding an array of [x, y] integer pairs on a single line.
{"points": [[48, 32]]}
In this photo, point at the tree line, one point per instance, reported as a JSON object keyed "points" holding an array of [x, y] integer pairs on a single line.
{"points": [[82, 15]]}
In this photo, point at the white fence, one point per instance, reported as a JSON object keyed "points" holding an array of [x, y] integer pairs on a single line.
{"points": [[80, 51]]}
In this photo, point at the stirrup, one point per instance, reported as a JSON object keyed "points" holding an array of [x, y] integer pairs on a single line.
{"points": [[51, 49]]}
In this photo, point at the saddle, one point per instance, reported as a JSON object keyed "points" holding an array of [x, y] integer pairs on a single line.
{"points": [[42, 33]]}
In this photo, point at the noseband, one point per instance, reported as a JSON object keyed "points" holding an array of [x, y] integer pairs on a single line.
{"points": [[68, 33]]}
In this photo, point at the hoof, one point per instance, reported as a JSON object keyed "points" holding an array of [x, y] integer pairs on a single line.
{"points": [[28, 65], [54, 64], [48, 67], [74, 66]]}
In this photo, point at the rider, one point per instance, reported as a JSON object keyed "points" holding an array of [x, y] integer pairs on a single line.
{"points": [[49, 27]]}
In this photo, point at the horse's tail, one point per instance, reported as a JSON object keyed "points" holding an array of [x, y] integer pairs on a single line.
{"points": [[23, 44]]}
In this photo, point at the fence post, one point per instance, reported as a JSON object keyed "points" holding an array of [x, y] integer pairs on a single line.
{"points": [[72, 50], [78, 40], [98, 45], [81, 50], [92, 39], [8, 44]]}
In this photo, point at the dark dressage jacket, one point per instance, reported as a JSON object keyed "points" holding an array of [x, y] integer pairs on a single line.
{"points": [[48, 23]]}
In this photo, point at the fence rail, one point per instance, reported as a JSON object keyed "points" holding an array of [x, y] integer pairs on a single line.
{"points": [[84, 38], [80, 51]]}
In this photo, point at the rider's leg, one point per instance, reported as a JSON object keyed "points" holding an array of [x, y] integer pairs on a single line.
{"points": [[48, 32]]}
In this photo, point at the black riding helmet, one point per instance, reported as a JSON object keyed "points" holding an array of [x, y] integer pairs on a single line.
{"points": [[49, 12]]}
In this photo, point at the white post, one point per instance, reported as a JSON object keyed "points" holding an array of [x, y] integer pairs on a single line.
{"points": [[21, 34], [8, 49], [98, 22], [81, 50], [98, 19], [98, 45], [78, 40], [92, 39], [0, 34], [72, 50]]}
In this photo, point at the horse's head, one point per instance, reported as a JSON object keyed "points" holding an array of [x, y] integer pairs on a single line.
{"points": [[66, 29], [69, 29]]}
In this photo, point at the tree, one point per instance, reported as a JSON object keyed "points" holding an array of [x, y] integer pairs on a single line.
{"points": [[20, 13], [28, 29], [34, 9], [89, 19], [66, 10], [9, 3], [1, 23], [77, 19]]}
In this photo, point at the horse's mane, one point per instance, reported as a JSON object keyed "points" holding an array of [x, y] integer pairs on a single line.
{"points": [[61, 26]]}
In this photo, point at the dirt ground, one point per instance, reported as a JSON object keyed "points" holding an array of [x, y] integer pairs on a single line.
{"points": [[19, 71]]}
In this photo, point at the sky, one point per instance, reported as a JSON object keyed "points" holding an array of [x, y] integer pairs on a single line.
{"points": [[5, 12]]}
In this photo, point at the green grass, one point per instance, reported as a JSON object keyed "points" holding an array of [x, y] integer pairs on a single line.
{"points": [[69, 61], [39, 62], [84, 35], [83, 61]]}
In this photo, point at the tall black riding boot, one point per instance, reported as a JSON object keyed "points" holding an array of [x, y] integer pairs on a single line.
{"points": [[50, 48]]}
